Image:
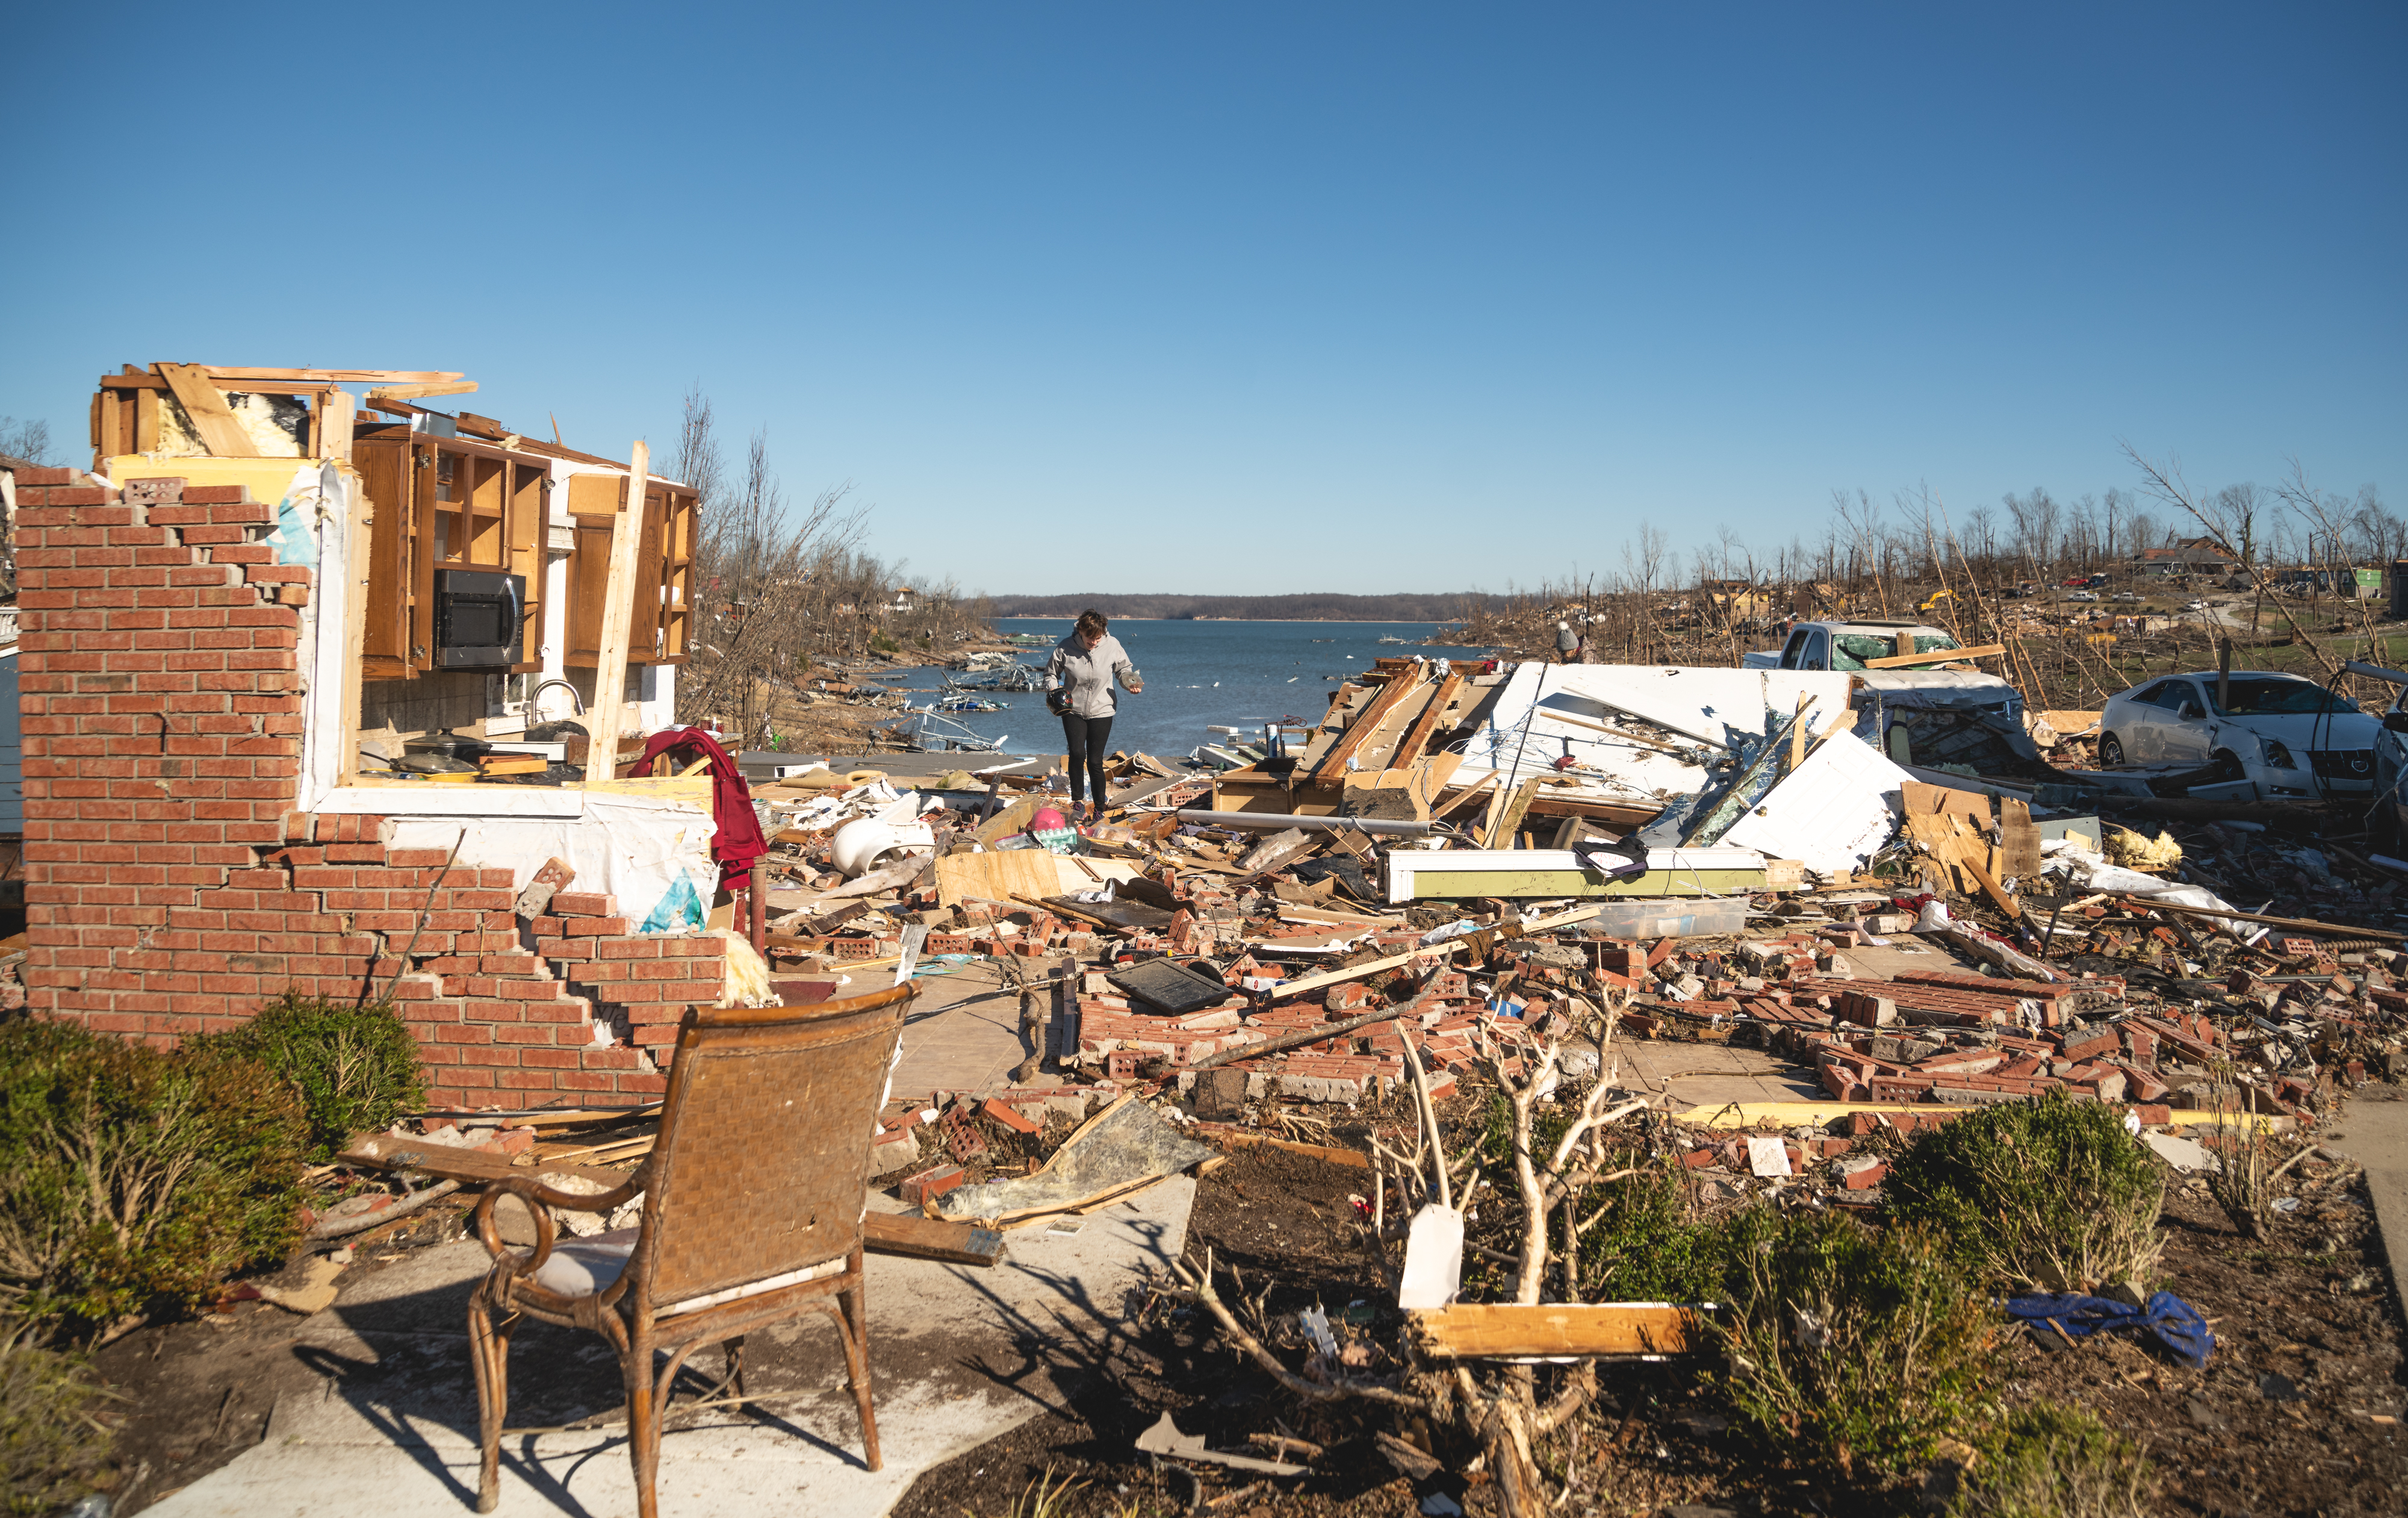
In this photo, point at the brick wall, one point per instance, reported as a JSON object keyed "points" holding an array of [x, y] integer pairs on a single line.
{"points": [[171, 887]]}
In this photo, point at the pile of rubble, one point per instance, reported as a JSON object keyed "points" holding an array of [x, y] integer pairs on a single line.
{"points": [[1305, 929]]}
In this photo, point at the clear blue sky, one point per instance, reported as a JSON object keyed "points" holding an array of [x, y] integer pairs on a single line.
{"points": [[1254, 298]]}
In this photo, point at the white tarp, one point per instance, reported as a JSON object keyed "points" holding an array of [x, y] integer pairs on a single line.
{"points": [[643, 851], [1833, 812]]}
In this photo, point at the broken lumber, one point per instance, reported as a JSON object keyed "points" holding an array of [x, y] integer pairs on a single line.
{"points": [[1314, 982], [1471, 1331], [2297, 924], [205, 404], [1324, 1030], [1902, 661]]}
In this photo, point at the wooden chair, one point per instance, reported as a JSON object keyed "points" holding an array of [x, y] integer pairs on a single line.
{"points": [[754, 1198]]}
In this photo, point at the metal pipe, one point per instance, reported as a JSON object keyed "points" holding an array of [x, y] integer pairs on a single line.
{"points": [[759, 893], [1272, 822]]}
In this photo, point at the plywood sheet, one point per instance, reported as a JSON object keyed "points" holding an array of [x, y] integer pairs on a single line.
{"points": [[997, 877], [1087, 872]]}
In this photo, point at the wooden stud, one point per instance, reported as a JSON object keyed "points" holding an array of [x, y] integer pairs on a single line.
{"points": [[618, 617], [337, 415], [355, 615], [221, 430], [1937, 656]]}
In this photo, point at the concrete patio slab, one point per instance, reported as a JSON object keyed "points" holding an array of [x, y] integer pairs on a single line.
{"points": [[959, 1356]]}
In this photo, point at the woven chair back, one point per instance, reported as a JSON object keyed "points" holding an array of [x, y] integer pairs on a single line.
{"points": [[764, 1156]]}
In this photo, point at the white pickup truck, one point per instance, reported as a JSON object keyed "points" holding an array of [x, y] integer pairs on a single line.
{"points": [[1849, 645], [1925, 715]]}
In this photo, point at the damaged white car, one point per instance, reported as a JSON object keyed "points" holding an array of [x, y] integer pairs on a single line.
{"points": [[2288, 736]]}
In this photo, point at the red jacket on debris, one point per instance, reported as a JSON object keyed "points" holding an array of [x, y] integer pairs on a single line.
{"points": [[738, 840]]}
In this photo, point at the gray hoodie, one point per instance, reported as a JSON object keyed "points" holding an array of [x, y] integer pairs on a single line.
{"points": [[1089, 672]]}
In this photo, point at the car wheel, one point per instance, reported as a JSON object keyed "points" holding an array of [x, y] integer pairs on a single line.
{"points": [[2228, 766], [2111, 750]]}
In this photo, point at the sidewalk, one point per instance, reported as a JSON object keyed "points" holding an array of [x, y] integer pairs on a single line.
{"points": [[959, 1356], [2375, 1134]]}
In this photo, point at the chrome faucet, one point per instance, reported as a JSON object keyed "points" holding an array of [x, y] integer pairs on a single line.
{"points": [[577, 703]]}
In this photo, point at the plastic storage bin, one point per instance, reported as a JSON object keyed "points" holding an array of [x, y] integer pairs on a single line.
{"points": [[1661, 917]]}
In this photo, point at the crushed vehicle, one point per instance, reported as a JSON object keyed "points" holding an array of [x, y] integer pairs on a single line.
{"points": [[1920, 715], [2287, 735]]}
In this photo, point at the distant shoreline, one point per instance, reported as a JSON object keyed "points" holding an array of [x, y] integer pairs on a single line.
{"points": [[1318, 622]]}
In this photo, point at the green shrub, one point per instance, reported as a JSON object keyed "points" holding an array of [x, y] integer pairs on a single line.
{"points": [[129, 1174], [2054, 1462], [355, 1067], [2052, 1192], [54, 1447], [1637, 1244], [1855, 1350]]}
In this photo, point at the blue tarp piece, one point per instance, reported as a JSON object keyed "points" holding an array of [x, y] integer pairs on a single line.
{"points": [[679, 907], [2177, 1326]]}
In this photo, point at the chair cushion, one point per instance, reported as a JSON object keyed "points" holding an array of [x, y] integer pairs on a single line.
{"points": [[583, 1266]]}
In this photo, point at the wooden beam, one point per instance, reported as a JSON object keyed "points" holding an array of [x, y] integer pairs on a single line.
{"points": [[336, 416], [1989, 885], [618, 617], [1361, 729], [1475, 788], [221, 431], [1471, 1331], [1506, 810], [2297, 924], [334, 377], [1898, 661], [440, 387], [930, 1239], [1426, 725], [359, 572], [1314, 982]]}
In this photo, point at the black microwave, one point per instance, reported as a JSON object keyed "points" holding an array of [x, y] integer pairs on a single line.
{"points": [[476, 617]]}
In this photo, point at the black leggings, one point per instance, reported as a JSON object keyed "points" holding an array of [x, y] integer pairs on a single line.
{"points": [[1087, 740]]}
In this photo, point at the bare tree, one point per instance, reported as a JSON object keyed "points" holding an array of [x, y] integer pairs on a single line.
{"points": [[27, 441], [695, 459], [2037, 518], [2116, 512], [2232, 514], [2220, 515]]}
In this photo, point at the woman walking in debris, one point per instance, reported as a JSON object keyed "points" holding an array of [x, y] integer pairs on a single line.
{"points": [[1085, 664]]}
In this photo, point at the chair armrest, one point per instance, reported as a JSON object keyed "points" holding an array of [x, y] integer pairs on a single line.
{"points": [[541, 1199]]}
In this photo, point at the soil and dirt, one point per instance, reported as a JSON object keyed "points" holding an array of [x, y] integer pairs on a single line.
{"points": [[2298, 1411], [2311, 1305]]}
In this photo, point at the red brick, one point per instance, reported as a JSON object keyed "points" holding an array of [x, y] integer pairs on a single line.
{"points": [[926, 1187]]}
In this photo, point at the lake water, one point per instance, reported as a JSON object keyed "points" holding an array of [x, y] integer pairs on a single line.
{"points": [[1200, 674]]}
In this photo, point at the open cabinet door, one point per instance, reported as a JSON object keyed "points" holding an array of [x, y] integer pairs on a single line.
{"points": [[384, 466], [593, 508]]}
